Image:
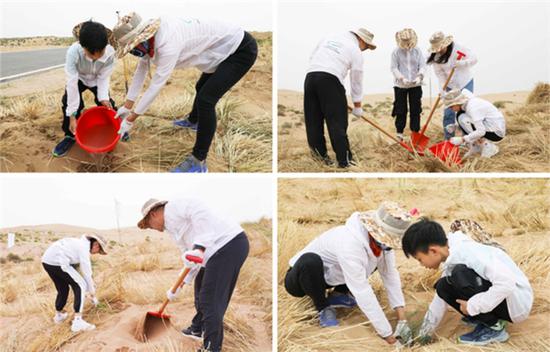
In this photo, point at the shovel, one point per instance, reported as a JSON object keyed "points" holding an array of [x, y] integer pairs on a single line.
{"points": [[418, 139], [447, 152]]}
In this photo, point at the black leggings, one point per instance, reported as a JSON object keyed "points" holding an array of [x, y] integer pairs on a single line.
{"points": [[465, 283], [62, 281], [81, 89], [307, 278], [414, 96], [325, 100], [212, 86]]}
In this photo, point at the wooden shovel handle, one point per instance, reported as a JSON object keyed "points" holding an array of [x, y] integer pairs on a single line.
{"points": [[178, 283], [378, 127]]}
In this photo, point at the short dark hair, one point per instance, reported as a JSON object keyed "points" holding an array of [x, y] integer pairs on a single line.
{"points": [[420, 235], [92, 241], [93, 36]]}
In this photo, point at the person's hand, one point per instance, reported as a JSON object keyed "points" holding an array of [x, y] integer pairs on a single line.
{"points": [[390, 339], [357, 112], [463, 303], [417, 80], [450, 128], [125, 127], [457, 141], [171, 296], [95, 301], [403, 332], [72, 124], [123, 112], [193, 257], [106, 103], [425, 332], [406, 82], [460, 63]]}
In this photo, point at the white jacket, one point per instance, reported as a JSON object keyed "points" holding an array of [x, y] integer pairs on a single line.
{"points": [[407, 64], [485, 117], [508, 281], [348, 259], [190, 222], [92, 73], [183, 43], [70, 251], [337, 54], [463, 73]]}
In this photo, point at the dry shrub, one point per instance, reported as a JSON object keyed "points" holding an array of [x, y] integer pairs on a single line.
{"points": [[540, 94]]}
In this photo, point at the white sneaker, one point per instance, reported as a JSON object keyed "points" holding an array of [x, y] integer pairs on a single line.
{"points": [[489, 149], [400, 137], [80, 324], [473, 148], [60, 317]]}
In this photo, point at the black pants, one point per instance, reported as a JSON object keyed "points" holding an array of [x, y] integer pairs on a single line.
{"points": [[307, 278], [414, 97], [465, 283], [492, 136], [214, 286], [212, 86], [325, 99], [81, 89], [62, 281]]}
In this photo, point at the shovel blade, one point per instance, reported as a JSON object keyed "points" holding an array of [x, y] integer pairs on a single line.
{"points": [[446, 152], [419, 141], [153, 324]]}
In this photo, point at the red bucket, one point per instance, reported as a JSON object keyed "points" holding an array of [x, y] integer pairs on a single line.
{"points": [[97, 130], [447, 152]]}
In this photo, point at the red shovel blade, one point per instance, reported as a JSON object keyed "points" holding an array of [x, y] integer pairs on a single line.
{"points": [[158, 315], [446, 152], [419, 141]]}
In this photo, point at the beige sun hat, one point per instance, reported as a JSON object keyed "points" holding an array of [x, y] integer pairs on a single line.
{"points": [[147, 207], [110, 37], [406, 38], [102, 242], [132, 30], [366, 36], [454, 97], [438, 41], [387, 224]]}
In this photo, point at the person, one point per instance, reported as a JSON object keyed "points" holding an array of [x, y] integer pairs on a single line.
{"points": [[59, 261], [480, 121], [480, 281], [341, 261], [444, 56], [89, 64], [224, 53], [325, 95], [206, 237], [407, 66]]}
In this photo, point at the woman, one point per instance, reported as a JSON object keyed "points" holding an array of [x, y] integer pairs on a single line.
{"points": [[59, 261], [444, 56], [407, 66]]}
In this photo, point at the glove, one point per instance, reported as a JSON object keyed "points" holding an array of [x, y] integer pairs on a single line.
{"points": [[460, 63], [357, 112], [403, 332], [171, 296], [123, 112], [425, 332], [417, 80], [95, 301], [406, 82], [456, 140], [193, 258], [125, 127], [450, 128]]}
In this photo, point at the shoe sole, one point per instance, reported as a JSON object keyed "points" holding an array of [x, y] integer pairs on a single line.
{"points": [[329, 325], [502, 338], [341, 306], [196, 338], [87, 329]]}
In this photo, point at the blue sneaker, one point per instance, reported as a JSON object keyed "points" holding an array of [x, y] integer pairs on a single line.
{"points": [[483, 335], [341, 301], [191, 164], [185, 123], [327, 317], [63, 147]]}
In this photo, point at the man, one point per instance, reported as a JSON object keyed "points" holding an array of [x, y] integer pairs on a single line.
{"points": [[343, 258], [480, 121], [325, 95], [203, 236], [223, 53], [88, 66]]}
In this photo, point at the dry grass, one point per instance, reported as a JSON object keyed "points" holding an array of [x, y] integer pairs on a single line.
{"points": [[515, 211]]}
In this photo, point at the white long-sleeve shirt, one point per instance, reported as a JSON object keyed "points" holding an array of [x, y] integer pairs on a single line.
{"points": [[183, 43], [348, 259], [407, 64], [70, 251], [463, 73], [190, 222], [508, 281], [339, 54], [91, 72], [485, 117]]}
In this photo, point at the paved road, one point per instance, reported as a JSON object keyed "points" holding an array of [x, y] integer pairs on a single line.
{"points": [[26, 61]]}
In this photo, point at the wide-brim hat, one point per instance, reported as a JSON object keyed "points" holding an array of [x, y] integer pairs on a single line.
{"points": [[387, 224], [365, 36], [454, 97], [132, 30], [146, 209], [102, 242], [110, 37], [406, 38], [438, 41]]}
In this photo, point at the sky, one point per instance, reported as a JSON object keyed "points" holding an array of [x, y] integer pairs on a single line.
{"points": [[510, 39], [24, 18], [88, 200]]}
